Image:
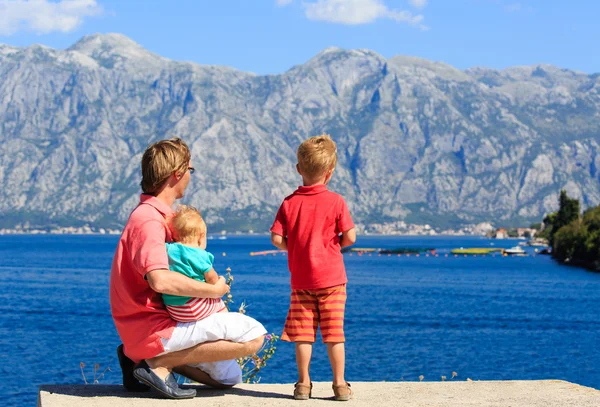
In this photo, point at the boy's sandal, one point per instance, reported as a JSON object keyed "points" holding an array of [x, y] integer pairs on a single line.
{"points": [[302, 391], [342, 392]]}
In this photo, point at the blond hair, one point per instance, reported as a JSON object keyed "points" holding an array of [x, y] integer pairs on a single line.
{"points": [[162, 159], [317, 155], [187, 225]]}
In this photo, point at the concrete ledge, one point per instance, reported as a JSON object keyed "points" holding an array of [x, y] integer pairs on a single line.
{"points": [[542, 393]]}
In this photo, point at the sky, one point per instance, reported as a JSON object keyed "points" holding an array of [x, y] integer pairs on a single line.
{"points": [[271, 36]]}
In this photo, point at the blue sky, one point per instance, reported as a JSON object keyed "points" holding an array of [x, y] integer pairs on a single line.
{"points": [[271, 36]]}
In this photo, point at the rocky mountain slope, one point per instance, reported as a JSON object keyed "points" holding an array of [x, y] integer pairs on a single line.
{"points": [[417, 140]]}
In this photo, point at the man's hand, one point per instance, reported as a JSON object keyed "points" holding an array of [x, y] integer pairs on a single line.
{"points": [[221, 286], [171, 282]]}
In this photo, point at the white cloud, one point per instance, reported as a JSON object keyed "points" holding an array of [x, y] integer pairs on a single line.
{"points": [[418, 3], [43, 16], [282, 3], [511, 8], [355, 12], [518, 7]]}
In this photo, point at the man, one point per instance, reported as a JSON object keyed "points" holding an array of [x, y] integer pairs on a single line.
{"points": [[140, 274]]}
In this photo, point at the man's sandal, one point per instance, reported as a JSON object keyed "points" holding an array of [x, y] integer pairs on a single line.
{"points": [[342, 392], [302, 391]]}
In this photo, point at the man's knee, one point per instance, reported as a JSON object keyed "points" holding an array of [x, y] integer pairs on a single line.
{"points": [[254, 345]]}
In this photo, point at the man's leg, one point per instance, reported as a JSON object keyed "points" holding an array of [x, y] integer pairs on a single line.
{"points": [[222, 336], [127, 365], [205, 352], [200, 376]]}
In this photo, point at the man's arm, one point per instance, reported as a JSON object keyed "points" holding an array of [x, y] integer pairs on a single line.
{"points": [[171, 282], [348, 238], [211, 276], [279, 241]]}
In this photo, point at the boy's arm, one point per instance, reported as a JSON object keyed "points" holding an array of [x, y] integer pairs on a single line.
{"points": [[279, 241], [348, 238], [211, 276]]}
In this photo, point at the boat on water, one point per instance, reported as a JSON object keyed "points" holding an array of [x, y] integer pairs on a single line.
{"points": [[399, 250], [475, 251], [537, 242], [266, 252], [515, 250], [348, 249]]}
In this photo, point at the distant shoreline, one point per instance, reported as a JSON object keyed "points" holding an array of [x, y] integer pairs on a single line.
{"points": [[13, 232]]}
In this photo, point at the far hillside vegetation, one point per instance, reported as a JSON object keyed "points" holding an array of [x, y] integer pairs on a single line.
{"points": [[574, 238]]}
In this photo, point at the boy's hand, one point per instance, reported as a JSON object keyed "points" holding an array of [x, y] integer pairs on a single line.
{"points": [[279, 241], [348, 238]]}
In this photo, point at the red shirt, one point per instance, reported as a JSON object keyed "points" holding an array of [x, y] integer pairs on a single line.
{"points": [[139, 313], [311, 219]]}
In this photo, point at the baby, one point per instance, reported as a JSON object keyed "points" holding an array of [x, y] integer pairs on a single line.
{"points": [[188, 256]]}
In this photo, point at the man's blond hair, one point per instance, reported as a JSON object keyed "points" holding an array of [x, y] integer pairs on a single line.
{"points": [[162, 159], [187, 224], [317, 155]]}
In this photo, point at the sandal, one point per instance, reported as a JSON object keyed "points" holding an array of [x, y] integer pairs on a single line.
{"points": [[342, 392], [302, 391]]}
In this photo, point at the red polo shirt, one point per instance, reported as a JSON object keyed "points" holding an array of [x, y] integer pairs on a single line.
{"points": [[311, 219], [140, 316]]}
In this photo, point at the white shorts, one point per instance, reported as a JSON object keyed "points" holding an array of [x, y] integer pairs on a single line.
{"points": [[230, 326]]}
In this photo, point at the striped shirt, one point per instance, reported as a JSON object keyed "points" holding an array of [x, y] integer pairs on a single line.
{"points": [[196, 309]]}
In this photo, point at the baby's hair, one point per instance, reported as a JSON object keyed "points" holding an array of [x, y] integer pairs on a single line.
{"points": [[317, 155], [187, 224]]}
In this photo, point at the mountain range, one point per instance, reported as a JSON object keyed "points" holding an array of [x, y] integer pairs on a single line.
{"points": [[418, 140]]}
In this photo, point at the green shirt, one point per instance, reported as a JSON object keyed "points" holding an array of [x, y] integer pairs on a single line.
{"points": [[192, 262]]}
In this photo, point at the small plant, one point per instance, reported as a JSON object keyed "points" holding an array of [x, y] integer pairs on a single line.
{"points": [[97, 376], [251, 365]]}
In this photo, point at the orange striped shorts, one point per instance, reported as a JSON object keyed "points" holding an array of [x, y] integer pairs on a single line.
{"points": [[311, 308]]}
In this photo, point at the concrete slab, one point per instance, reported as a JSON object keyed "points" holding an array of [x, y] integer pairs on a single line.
{"points": [[538, 393]]}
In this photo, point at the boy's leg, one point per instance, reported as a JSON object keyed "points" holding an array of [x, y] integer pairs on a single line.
{"points": [[303, 356], [337, 357], [332, 304], [301, 328]]}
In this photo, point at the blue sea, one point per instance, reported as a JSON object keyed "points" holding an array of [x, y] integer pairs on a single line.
{"points": [[485, 318]]}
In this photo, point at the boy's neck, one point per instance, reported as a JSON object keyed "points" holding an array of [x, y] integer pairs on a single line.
{"points": [[312, 184], [318, 181]]}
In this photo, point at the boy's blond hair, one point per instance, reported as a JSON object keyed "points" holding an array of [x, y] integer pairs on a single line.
{"points": [[317, 155], [187, 224], [162, 159]]}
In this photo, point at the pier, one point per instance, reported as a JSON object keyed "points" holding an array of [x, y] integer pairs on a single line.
{"points": [[535, 393]]}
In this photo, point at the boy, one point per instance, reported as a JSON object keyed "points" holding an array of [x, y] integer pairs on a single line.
{"points": [[313, 224]]}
